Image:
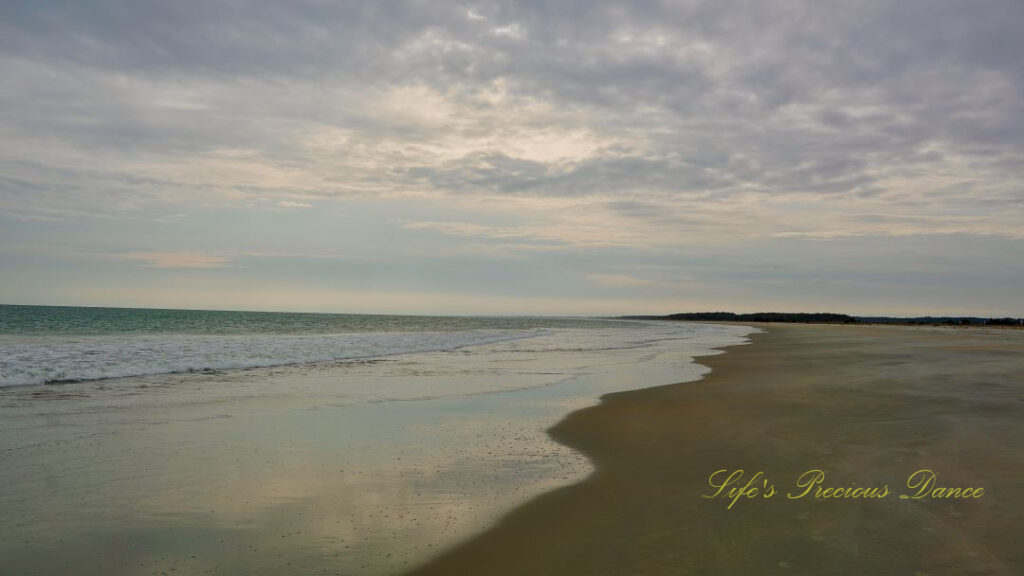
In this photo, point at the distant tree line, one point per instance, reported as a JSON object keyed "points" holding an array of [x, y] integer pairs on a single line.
{"points": [[1005, 322], [803, 317], [832, 318], [943, 321]]}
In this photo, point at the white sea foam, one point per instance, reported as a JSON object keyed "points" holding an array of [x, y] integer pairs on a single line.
{"points": [[49, 359]]}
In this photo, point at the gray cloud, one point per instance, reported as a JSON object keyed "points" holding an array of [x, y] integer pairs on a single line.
{"points": [[110, 105]]}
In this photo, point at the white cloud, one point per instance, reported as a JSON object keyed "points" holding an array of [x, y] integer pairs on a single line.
{"points": [[177, 259], [619, 280], [514, 31]]}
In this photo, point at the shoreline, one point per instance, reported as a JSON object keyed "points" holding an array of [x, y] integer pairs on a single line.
{"points": [[868, 405]]}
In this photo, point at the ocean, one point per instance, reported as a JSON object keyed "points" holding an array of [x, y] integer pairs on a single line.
{"points": [[147, 441], [53, 344]]}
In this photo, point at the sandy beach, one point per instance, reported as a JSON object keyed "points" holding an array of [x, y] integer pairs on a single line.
{"points": [[867, 406]]}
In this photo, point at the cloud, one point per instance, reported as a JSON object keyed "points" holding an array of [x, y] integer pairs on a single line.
{"points": [[679, 99], [619, 280], [585, 229], [177, 259], [466, 229], [605, 127]]}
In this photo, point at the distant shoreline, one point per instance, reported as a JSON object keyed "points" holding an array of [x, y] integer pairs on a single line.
{"points": [[834, 318]]}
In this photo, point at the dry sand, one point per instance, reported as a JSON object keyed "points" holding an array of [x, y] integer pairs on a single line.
{"points": [[868, 405]]}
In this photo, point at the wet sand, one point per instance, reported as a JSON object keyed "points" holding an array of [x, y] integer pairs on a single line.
{"points": [[867, 405]]}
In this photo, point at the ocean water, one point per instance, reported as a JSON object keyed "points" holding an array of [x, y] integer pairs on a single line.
{"points": [[183, 442], [43, 344]]}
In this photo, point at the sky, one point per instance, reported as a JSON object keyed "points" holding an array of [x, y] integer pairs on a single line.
{"points": [[572, 157]]}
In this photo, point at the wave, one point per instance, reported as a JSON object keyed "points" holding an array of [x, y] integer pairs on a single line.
{"points": [[28, 361]]}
